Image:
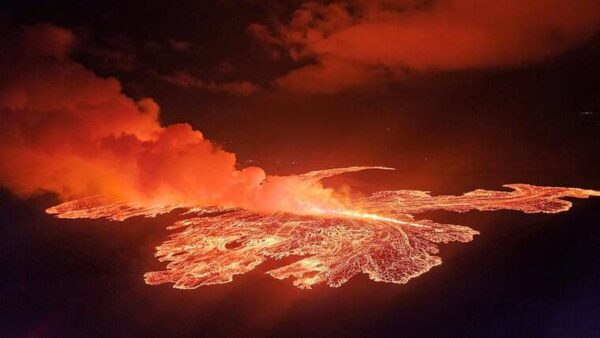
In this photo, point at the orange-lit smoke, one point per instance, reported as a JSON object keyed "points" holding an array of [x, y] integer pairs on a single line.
{"points": [[66, 130], [357, 42]]}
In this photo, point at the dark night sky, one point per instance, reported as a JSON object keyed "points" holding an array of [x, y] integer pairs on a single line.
{"points": [[447, 131]]}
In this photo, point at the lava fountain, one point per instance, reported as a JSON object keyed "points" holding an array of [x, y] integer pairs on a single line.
{"points": [[377, 235]]}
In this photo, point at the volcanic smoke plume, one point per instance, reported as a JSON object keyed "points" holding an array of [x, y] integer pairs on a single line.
{"points": [[67, 131]]}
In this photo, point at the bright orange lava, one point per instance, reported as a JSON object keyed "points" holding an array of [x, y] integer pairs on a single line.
{"points": [[378, 236]]}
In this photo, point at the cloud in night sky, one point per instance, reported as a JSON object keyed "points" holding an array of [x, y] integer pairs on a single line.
{"points": [[187, 80], [345, 44]]}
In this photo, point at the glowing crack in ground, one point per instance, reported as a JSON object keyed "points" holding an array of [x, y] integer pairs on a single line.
{"points": [[379, 237]]}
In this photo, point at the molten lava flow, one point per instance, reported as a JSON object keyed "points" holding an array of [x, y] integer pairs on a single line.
{"points": [[379, 236]]}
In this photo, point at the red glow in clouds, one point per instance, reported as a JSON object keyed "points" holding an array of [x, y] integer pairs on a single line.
{"points": [[66, 130], [350, 43]]}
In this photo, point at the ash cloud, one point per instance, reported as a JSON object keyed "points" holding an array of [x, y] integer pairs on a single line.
{"points": [[357, 42]]}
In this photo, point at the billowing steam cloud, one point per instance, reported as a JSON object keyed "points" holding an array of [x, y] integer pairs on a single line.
{"points": [[356, 42], [66, 130]]}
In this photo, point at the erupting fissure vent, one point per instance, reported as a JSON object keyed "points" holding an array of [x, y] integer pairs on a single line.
{"points": [[378, 236]]}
